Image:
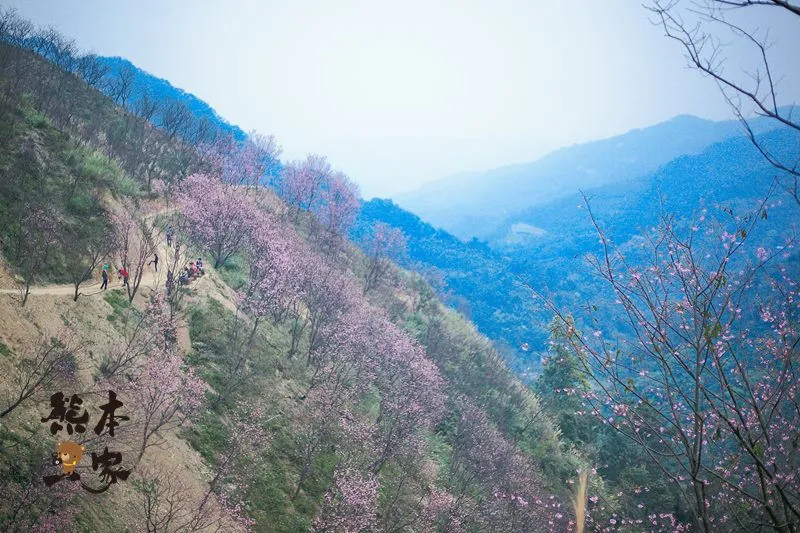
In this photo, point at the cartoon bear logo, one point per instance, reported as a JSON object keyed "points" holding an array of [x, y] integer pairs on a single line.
{"points": [[69, 454]]}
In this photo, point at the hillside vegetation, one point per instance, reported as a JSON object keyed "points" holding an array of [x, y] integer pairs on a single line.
{"points": [[275, 392], [246, 366]]}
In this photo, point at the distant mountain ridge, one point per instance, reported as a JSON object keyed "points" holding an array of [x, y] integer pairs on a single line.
{"points": [[544, 246], [475, 204]]}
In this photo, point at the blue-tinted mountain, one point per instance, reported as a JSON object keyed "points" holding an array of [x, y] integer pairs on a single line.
{"points": [[473, 205], [545, 247]]}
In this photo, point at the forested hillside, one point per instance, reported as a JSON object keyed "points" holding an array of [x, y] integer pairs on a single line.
{"points": [[198, 336], [274, 391], [155, 99], [545, 247]]}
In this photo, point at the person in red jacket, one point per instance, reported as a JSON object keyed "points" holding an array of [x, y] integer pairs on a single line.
{"points": [[124, 274]]}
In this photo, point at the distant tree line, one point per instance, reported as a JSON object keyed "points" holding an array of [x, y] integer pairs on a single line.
{"points": [[154, 138]]}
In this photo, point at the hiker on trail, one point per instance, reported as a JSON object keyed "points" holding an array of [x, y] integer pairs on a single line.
{"points": [[104, 286], [124, 274], [154, 262], [170, 234], [199, 266]]}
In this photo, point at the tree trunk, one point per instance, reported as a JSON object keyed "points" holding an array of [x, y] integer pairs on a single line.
{"points": [[303, 474]]}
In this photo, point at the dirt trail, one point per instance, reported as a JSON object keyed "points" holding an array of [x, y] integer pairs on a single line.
{"points": [[91, 287]]}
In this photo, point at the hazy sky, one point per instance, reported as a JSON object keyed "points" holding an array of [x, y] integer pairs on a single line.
{"points": [[398, 93]]}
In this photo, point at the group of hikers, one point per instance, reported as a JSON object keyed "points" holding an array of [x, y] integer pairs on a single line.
{"points": [[190, 272]]}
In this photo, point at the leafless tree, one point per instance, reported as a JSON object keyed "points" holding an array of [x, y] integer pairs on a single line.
{"points": [[14, 30], [85, 253], [705, 29], [164, 503], [35, 242], [199, 131], [175, 118], [135, 244], [63, 52], [92, 70], [51, 361], [122, 83], [42, 39], [145, 106]]}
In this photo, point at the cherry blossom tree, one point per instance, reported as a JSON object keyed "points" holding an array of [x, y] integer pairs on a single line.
{"points": [[213, 156], [277, 264], [484, 462], [164, 392], [410, 499], [436, 514], [142, 334], [412, 400], [234, 471], [338, 204], [352, 347], [240, 162], [325, 293], [383, 245], [26, 504], [217, 216], [705, 381], [268, 152], [315, 425], [165, 395], [350, 503], [301, 183]]}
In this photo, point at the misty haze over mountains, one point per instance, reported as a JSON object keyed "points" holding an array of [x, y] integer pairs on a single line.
{"points": [[477, 204]]}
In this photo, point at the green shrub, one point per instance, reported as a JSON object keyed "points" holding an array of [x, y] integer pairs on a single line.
{"points": [[124, 186], [119, 303], [5, 350]]}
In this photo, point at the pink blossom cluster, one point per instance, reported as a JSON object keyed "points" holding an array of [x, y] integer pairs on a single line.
{"points": [[707, 380], [217, 216], [351, 503], [312, 185]]}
